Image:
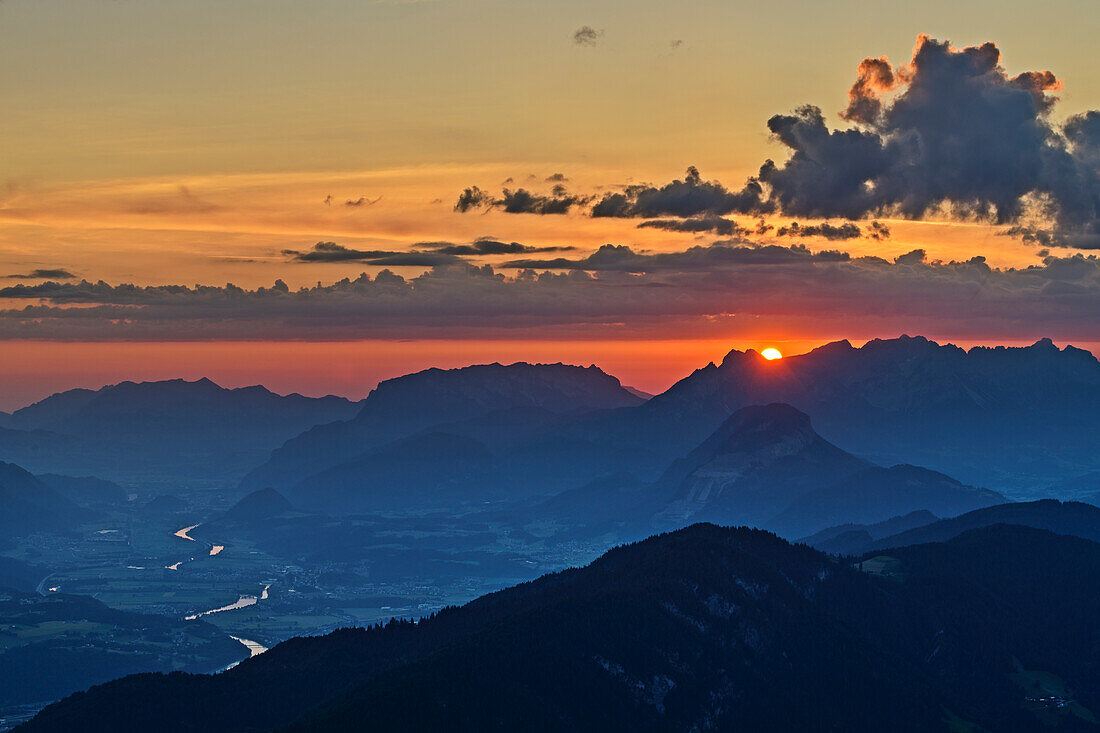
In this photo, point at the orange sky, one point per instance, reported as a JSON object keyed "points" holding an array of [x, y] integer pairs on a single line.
{"points": [[192, 143], [34, 370]]}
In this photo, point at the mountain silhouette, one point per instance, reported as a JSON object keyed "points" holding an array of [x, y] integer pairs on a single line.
{"points": [[854, 539], [753, 466], [28, 505], [765, 466], [166, 432], [1069, 518], [877, 493], [259, 505], [706, 627], [86, 490], [492, 400]]}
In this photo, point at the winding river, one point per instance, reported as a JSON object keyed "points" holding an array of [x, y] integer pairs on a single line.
{"points": [[254, 648]]}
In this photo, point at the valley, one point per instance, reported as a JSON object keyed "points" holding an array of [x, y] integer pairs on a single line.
{"points": [[448, 488]]}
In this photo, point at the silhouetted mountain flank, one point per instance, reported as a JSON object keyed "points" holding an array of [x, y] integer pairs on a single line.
{"points": [[706, 627], [85, 490], [1069, 518], [875, 493], [492, 401], [162, 431], [854, 539], [28, 505], [259, 505]]}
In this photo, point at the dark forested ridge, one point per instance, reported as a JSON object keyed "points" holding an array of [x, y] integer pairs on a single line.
{"points": [[704, 627]]}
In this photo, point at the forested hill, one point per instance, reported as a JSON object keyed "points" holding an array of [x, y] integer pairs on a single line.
{"points": [[704, 627]]}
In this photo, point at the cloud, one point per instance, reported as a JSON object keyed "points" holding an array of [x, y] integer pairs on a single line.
{"points": [[332, 252], [621, 258], [520, 201], [700, 290], [832, 232], [697, 225], [950, 132], [58, 274], [587, 36], [488, 246], [692, 196], [362, 201]]}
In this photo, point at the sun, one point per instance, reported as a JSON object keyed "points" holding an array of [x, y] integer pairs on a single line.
{"points": [[771, 354]]}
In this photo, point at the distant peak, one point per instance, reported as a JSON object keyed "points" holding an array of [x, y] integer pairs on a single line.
{"points": [[766, 423], [1044, 344], [733, 355], [834, 347]]}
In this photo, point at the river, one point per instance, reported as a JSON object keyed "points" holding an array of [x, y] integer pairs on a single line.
{"points": [[242, 602]]}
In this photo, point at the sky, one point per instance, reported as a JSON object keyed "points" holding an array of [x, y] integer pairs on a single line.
{"points": [[320, 195]]}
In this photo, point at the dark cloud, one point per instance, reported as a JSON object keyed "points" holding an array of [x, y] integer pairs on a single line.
{"points": [[698, 225], [958, 135], [768, 287], [487, 246], [692, 196], [520, 201], [1077, 237], [878, 230], [42, 274], [831, 232], [332, 252], [621, 258], [362, 201], [556, 178], [587, 36]]}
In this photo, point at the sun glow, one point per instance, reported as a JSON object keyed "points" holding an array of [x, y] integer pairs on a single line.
{"points": [[771, 354]]}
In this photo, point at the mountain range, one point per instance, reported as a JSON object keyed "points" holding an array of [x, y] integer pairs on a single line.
{"points": [[703, 628], [486, 417], [1012, 419], [1001, 417], [161, 433]]}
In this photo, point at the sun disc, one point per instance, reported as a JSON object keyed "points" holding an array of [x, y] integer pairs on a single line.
{"points": [[771, 354]]}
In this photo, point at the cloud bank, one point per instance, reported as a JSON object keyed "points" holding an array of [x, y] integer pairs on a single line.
{"points": [[619, 293]]}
